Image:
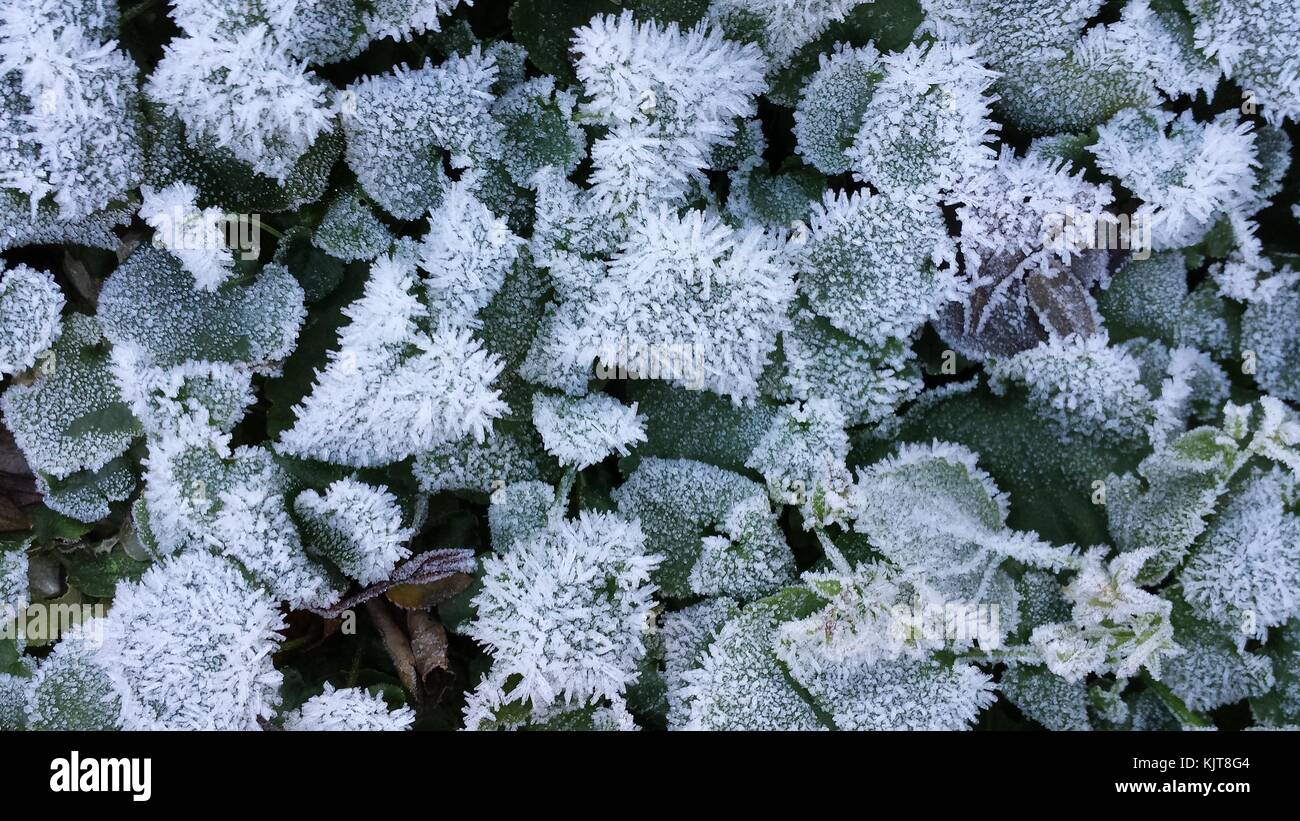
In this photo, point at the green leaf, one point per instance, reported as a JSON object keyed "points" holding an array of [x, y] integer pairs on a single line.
{"points": [[97, 574], [545, 29]]}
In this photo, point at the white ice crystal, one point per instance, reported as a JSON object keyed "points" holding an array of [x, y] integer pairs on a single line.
{"points": [[30, 304], [693, 283], [564, 616], [667, 96], [925, 128], [582, 432], [356, 526], [1245, 572], [465, 255], [350, 709], [875, 267], [408, 388], [1187, 173], [191, 644], [197, 237], [66, 107], [245, 94], [1117, 626], [1162, 38]]}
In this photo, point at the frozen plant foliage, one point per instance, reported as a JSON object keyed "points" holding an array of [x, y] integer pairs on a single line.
{"points": [[1257, 43], [875, 267], [73, 688], [831, 104], [244, 93], [869, 382], [67, 108], [564, 616], [194, 236], [1245, 573], [784, 25], [694, 283], [191, 644], [1082, 385], [708, 364], [926, 126], [680, 502], [351, 708], [399, 125], [1027, 206], [932, 511], [582, 432], [667, 96], [465, 256], [1117, 626], [30, 304], [1188, 173], [13, 583], [356, 526], [320, 31], [802, 458], [72, 417], [409, 383]]}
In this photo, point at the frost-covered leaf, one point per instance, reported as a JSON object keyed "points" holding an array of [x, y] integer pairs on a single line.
{"points": [[582, 432], [415, 386], [1047, 698], [398, 126], [875, 267], [150, 305], [1083, 386], [713, 528], [350, 230], [30, 304], [564, 616], [357, 526], [1244, 573], [244, 94], [72, 417], [349, 709], [192, 642]]}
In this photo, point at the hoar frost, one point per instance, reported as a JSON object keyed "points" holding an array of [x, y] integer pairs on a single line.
{"points": [[772, 366]]}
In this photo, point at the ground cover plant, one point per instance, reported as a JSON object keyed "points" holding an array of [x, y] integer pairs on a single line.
{"points": [[656, 364]]}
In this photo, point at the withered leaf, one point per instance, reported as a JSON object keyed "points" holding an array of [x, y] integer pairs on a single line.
{"points": [[421, 569], [428, 642], [397, 645]]}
